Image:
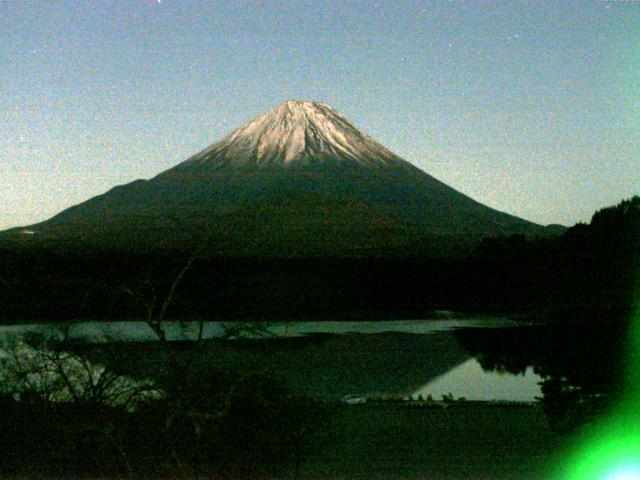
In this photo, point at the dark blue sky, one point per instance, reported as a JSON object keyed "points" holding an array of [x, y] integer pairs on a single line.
{"points": [[528, 107]]}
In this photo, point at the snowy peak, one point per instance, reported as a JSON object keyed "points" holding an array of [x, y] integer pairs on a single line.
{"points": [[295, 133]]}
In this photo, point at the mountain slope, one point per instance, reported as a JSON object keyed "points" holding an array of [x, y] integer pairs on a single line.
{"points": [[299, 179]]}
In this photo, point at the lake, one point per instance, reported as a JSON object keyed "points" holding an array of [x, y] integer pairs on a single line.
{"points": [[412, 358], [527, 387]]}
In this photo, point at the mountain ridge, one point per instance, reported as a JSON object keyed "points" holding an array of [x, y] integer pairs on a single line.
{"points": [[344, 192]]}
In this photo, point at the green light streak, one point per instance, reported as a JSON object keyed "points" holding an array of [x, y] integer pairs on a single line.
{"points": [[611, 449]]}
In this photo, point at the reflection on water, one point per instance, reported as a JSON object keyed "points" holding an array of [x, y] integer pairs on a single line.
{"points": [[471, 382], [326, 359], [580, 364], [465, 357]]}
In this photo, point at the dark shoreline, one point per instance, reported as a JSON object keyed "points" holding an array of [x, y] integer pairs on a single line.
{"points": [[36, 286]]}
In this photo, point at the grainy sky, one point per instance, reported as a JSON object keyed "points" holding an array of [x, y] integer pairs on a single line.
{"points": [[529, 107]]}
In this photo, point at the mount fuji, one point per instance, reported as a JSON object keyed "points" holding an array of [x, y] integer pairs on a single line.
{"points": [[298, 180]]}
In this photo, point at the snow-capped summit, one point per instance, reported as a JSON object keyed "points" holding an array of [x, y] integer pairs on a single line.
{"points": [[294, 133]]}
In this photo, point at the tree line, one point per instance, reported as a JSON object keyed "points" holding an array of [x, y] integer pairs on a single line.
{"points": [[588, 268]]}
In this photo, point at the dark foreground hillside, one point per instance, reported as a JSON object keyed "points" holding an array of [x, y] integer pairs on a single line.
{"points": [[457, 443], [462, 442]]}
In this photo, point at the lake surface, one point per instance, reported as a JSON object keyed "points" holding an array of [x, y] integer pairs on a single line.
{"points": [[138, 331], [333, 359]]}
